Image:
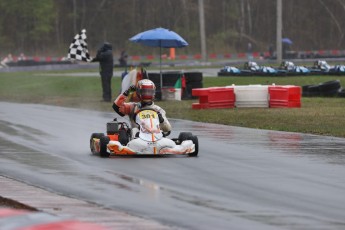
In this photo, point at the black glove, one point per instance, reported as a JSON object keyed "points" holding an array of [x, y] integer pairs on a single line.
{"points": [[165, 134], [131, 89], [160, 117]]}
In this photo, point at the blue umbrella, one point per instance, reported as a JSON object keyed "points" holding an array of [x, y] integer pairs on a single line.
{"points": [[162, 38], [287, 41]]}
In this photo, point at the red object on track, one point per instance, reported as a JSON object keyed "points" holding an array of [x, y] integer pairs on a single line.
{"points": [[17, 219]]}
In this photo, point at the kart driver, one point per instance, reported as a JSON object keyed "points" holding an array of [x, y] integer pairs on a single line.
{"points": [[145, 91]]}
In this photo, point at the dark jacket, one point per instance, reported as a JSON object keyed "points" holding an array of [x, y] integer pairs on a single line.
{"points": [[105, 58]]}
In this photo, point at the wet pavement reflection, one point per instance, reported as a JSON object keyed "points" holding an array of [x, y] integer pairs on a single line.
{"points": [[325, 148]]}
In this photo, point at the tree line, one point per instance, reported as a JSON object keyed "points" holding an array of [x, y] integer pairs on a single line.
{"points": [[46, 27]]}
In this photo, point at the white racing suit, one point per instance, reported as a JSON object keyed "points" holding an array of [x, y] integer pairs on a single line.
{"points": [[150, 139]]}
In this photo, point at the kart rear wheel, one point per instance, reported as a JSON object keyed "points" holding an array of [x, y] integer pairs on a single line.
{"points": [[103, 142], [94, 135], [196, 143]]}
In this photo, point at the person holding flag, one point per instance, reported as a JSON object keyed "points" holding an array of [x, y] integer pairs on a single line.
{"points": [[106, 64], [78, 51]]}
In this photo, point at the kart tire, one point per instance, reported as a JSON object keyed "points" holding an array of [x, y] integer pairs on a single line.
{"points": [[193, 77], [185, 136], [341, 93], [170, 78], [196, 143], [189, 89], [330, 88], [94, 135], [103, 142], [123, 137], [314, 90]]}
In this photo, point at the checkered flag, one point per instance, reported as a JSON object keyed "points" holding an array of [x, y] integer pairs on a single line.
{"points": [[78, 48]]}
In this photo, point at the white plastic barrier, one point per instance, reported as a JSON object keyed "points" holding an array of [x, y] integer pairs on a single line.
{"points": [[251, 96], [171, 94]]}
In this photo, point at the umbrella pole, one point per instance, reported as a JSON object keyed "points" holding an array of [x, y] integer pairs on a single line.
{"points": [[160, 65]]}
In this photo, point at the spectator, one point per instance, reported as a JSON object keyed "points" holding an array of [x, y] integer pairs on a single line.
{"points": [[21, 57], [106, 64], [6, 60]]}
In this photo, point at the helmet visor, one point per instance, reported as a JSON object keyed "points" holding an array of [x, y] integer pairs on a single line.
{"points": [[147, 94]]}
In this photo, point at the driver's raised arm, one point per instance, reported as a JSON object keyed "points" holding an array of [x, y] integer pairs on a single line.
{"points": [[121, 107]]}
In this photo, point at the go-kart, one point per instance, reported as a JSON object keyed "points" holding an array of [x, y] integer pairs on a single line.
{"points": [[338, 70], [150, 140], [323, 68], [291, 69], [229, 71], [320, 67], [253, 68]]}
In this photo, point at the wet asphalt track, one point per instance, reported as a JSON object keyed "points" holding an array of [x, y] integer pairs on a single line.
{"points": [[242, 179]]}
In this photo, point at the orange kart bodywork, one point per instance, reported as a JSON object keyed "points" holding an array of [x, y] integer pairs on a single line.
{"points": [[118, 141], [114, 149]]}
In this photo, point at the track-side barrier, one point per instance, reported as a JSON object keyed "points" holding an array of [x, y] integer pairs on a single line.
{"points": [[272, 96], [214, 97], [285, 96], [251, 96]]}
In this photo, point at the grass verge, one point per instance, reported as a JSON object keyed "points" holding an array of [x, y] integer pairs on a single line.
{"points": [[323, 116]]}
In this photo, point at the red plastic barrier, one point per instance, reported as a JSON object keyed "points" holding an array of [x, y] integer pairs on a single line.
{"points": [[285, 96], [7, 212], [335, 52], [214, 97], [29, 220], [213, 56], [241, 55], [197, 56], [135, 58], [256, 55], [68, 225], [227, 55], [321, 52]]}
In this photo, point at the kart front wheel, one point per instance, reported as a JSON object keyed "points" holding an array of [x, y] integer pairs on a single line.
{"points": [[92, 146], [103, 142], [196, 143], [185, 136], [189, 136]]}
